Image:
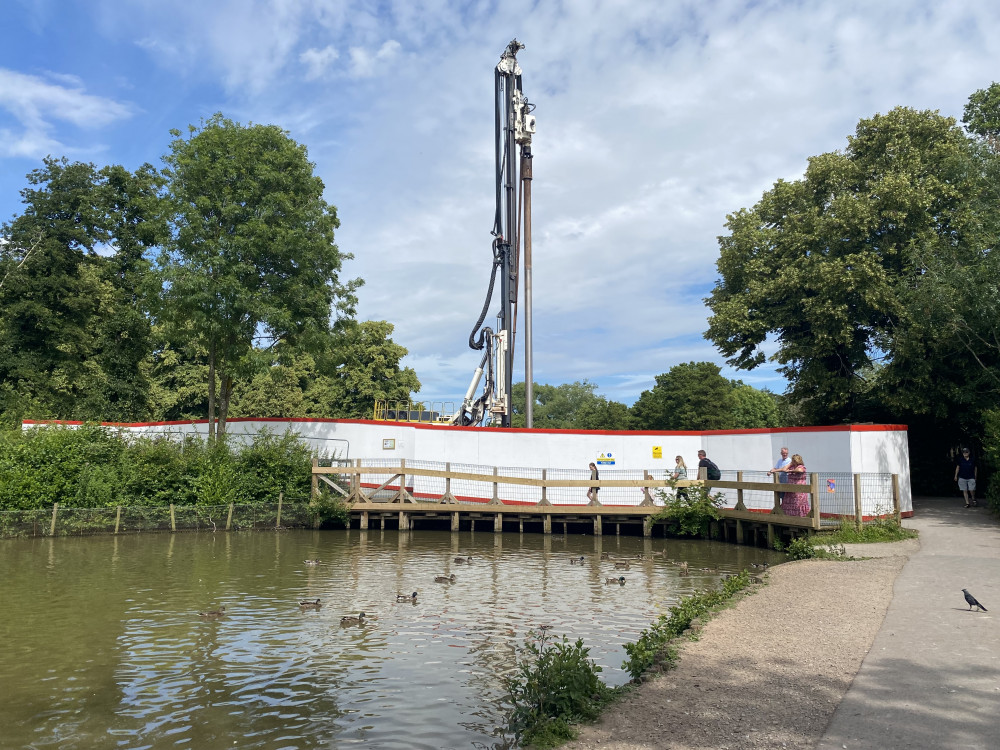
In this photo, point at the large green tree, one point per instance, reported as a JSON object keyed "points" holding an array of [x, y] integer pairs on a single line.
{"points": [[690, 396], [251, 260], [831, 269], [568, 406]]}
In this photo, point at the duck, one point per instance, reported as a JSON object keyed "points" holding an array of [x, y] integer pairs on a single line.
{"points": [[620, 580], [684, 571], [311, 562], [406, 597], [622, 565], [213, 612], [310, 604], [353, 619], [605, 555], [576, 560], [464, 559], [445, 579]]}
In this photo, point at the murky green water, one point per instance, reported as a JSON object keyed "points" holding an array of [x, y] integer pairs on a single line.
{"points": [[101, 645]]}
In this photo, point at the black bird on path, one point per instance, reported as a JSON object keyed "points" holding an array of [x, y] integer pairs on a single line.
{"points": [[971, 600]]}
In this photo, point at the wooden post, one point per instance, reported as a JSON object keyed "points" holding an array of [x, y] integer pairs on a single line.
{"points": [[498, 524], [447, 497], [281, 499], [739, 531], [814, 496], [647, 526], [173, 518], [545, 499], [404, 521], [859, 519], [454, 521], [896, 510], [739, 493], [315, 478], [521, 525], [364, 520], [647, 499], [55, 512], [118, 519], [776, 510], [547, 523], [770, 536], [496, 494], [229, 518], [597, 526]]}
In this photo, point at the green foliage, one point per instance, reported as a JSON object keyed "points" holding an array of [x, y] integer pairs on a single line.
{"points": [[691, 396], [834, 268], [689, 512], [754, 408], [801, 548], [569, 406], [332, 508], [93, 467], [555, 685], [877, 530], [653, 645]]}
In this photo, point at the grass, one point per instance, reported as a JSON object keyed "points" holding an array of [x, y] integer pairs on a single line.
{"points": [[881, 530]]}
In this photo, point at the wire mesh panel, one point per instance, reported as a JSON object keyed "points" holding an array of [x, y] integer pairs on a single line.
{"points": [[35, 522], [518, 494], [467, 490], [426, 488]]}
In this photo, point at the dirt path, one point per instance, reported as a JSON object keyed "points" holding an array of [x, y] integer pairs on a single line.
{"points": [[767, 673]]}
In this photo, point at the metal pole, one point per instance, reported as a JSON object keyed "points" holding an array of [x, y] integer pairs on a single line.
{"points": [[509, 280], [529, 384]]}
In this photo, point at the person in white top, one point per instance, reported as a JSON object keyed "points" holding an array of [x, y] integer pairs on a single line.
{"points": [[781, 463]]}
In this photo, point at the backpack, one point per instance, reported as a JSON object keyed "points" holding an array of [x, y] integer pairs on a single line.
{"points": [[712, 471]]}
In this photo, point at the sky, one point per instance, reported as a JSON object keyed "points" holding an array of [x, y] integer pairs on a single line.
{"points": [[655, 120]]}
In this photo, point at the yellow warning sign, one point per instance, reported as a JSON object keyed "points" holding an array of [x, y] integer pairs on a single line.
{"points": [[657, 451]]}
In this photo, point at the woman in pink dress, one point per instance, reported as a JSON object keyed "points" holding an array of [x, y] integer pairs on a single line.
{"points": [[796, 503]]}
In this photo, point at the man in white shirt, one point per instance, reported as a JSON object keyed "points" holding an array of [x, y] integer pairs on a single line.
{"points": [[780, 464]]}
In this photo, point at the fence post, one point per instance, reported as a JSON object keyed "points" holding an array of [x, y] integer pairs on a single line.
{"points": [[859, 519], [55, 512], [776, 510], [447, 497], [496, 488], [647, 499], [545, 490], [281, 498], [173, 519], [740, 505], [814, 496], [118, 519], [229, 518], [315, 478], [896, 510]]}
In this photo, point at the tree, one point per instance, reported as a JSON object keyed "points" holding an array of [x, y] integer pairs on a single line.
{"points": [[251, 260], [754, 409], [568, 406], [691, 396], [831, 268]]}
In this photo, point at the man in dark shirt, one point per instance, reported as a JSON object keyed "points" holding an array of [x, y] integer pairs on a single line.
{"points": [[965, 474]]}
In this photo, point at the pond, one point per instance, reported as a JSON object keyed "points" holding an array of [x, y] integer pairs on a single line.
{"points": [[103, 645]]}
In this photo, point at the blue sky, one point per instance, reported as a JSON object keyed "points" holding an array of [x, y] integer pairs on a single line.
{"points": [[655, 120]]}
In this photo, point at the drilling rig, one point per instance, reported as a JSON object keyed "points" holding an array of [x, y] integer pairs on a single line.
{"points": [[514, 127]]}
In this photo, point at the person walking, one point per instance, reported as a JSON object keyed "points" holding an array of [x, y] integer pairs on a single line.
{"points": [[711, 470], [966, 472], [594, 476], [796, 503], [680, 472], [779, 466]]}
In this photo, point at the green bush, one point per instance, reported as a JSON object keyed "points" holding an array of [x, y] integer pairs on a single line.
{"points": [[555, 685], [689, 512]]}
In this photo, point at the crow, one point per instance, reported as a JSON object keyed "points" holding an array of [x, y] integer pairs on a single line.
{"points": [[971, 600]]}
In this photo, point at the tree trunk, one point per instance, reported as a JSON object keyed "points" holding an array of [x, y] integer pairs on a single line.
{"points": [[224, 394], [211, 392]]}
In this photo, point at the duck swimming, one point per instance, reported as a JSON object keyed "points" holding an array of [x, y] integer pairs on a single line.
{"points": [[464, 559], [311, 562], [620, 580], [576, 560], [406, 598], [310, 604], [213, 612], [445, 579], [622, 565], [353, 619]]}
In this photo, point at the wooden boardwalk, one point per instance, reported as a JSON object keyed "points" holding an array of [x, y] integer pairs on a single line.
{"points": [[392, 504]]}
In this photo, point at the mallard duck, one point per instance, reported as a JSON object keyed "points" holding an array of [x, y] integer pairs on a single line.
{"points": [[622, 565], [353, 619], [684, 569], [620, 580], [310, 604], [464, 559], [311, 562], [213, 612], [406, 598], [605, 555], [445, 579], [577, 560]]}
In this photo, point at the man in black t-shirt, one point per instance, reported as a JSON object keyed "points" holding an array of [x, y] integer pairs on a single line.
{"points": [[965, 474]]}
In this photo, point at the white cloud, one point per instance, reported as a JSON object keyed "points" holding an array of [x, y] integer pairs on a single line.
{"points": [[318, 61], [365, 63], [38, 104]]}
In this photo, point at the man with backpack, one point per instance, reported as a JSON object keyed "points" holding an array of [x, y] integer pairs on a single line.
{"points": [[712, 471]]}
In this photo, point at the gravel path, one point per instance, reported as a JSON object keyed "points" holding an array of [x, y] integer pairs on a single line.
{"points": [[769, 672]]}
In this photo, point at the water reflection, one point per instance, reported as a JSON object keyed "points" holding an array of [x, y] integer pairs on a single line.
{"points": [[103, 646]]}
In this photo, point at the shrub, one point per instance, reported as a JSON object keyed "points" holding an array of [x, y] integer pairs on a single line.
{"points": [[689, 512], [555, 685]]}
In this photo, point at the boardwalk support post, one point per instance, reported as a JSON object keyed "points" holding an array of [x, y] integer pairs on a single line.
{"points": [[859, 518]]}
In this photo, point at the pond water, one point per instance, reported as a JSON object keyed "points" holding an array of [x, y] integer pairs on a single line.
{"points": [[102, 646]]}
